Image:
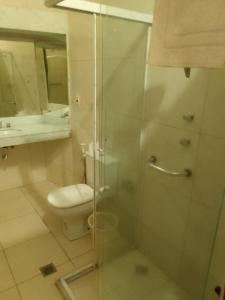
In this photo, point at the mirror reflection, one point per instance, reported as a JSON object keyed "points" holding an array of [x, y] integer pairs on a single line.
{"points": [[33, 78]]}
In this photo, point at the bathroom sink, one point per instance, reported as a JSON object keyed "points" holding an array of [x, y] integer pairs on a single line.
{"points": [[9, 131]]}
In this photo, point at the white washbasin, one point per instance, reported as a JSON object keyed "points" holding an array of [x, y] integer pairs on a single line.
{"points": [[9, 131]]}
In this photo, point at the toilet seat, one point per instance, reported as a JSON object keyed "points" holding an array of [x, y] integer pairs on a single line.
{"points": [[70, 196]]}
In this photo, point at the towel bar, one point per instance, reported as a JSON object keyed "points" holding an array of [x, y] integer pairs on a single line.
{"points": [[152, 163]]}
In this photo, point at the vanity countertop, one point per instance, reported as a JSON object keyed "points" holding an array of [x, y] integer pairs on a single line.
{"points": [[31, 129]]}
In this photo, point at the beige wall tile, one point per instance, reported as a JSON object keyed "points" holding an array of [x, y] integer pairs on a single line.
{"points": [[217, 273], [81, 82], [82, 129], [37, 194], [201, 230], [60, 152], [14, 3], [210, 172], [37, 162], [123, 39], [165, 212], [38, 4], [25, 164], [164, 143], [60, 162], [15, 171], [171, 96], [163, 255], [60, 176], [213, 118], [81, 40], [122, 134], [123, 88]]}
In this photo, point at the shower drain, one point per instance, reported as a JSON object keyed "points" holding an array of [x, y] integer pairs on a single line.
{"points": [[141, 269], [48, 270]]}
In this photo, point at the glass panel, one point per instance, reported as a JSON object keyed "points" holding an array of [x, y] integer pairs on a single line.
{"points": [[155, 232]]}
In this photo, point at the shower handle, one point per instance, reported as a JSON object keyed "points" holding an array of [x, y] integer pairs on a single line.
{"points": [[152, 163]]}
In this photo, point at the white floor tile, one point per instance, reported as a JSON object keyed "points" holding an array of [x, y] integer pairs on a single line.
{"points": [[44, 288], [74, 248], [13, 204], [6, 279], [11, 294], [26, 259], [21, 229]]}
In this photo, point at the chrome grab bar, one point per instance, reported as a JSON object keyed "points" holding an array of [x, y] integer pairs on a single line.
{"points": [[152, 163]]}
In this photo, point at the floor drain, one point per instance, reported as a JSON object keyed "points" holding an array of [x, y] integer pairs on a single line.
{"points": [[48, 270], [142, 269]]}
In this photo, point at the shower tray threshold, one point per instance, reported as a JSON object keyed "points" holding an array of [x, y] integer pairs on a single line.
{"points": [[63, 282]]}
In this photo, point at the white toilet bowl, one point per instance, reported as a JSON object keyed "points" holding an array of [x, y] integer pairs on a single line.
{"points": [[73, 204]]}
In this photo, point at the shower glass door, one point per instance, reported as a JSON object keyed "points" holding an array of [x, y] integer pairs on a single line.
{"points": [[156, 219]]}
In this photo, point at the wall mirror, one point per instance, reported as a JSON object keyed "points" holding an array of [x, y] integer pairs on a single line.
{"points": [[33, 75], [33, 87]]}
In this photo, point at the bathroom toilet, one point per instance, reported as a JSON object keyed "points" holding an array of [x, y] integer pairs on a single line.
{"points": [[74, 203]]}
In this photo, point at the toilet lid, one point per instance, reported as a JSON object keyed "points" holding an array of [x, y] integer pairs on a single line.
{"points": [[70, 196]]}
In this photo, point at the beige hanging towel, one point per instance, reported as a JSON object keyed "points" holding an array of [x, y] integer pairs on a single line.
{"points": [[188, 33]]}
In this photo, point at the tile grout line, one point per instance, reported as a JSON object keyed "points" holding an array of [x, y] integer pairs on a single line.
{"points": [[39, 275], [11, 271], [24, 242], [69, 258]]}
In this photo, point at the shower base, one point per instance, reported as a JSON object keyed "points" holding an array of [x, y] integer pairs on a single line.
{"points": [[132, 276]]}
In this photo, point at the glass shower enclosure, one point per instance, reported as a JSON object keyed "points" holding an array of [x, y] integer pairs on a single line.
{"points": [[159, 176], [155, 236]]}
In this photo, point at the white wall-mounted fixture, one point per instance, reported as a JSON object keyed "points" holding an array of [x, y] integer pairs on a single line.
{"points": [[96, 8]]}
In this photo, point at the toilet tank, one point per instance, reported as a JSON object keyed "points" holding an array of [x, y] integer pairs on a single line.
{"points": [[107, 165]]}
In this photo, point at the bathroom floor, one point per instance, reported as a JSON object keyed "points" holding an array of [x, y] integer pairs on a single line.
{"points": [[132, 276], [30, 238]]}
